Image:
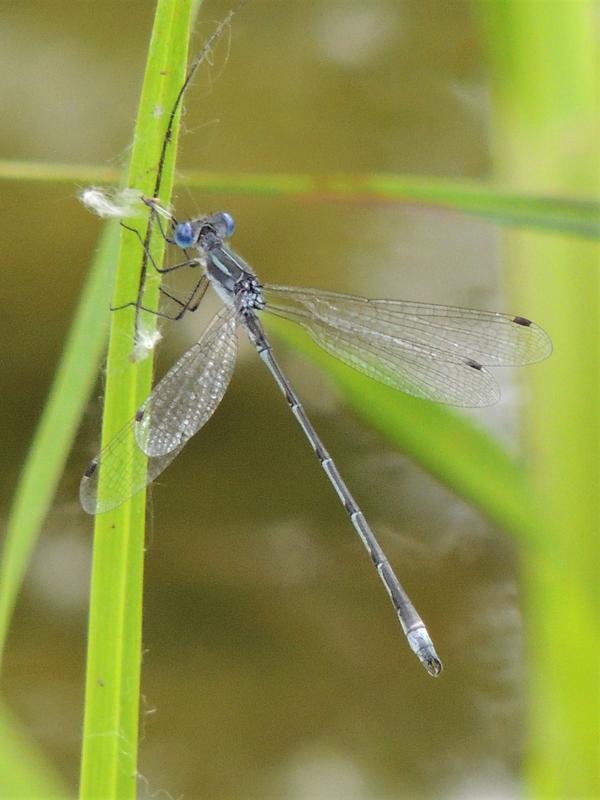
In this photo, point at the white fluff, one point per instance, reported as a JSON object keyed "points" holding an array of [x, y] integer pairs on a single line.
{"points": [[111, 202]]}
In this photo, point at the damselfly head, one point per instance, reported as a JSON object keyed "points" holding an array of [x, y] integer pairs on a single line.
{"points": [[205, 232]]}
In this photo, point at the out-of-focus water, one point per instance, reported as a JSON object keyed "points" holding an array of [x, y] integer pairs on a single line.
{"points": [[274, 667]]}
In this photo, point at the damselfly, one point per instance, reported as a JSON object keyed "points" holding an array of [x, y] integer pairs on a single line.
{"points": [[434, 352]]}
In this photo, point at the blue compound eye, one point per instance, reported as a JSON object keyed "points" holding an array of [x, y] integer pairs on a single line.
{"points": [[184, 234], [229, 222]]}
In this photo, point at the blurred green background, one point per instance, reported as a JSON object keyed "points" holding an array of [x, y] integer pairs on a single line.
{"points": [[273, 665]]}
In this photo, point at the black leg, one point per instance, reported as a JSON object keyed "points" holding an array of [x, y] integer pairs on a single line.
{"points": [[150, 203], [191, 304], [160, 228], [138, 307], [193, 301], [189, 262], [168, 238]]}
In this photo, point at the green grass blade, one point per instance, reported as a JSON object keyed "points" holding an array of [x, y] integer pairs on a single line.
{"points": [[24, 774], [569, 215], [68, 397], [546, 82], [578, 216], [109, 759]]}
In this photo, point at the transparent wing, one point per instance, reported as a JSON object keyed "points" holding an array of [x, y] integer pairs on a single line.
{"points": [[125, 470], [122, 468], [430, 351], [190, 392]]}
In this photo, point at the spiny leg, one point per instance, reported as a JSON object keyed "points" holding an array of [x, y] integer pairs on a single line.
{"points": [[187, 305], [189, 262], [191, 304]]}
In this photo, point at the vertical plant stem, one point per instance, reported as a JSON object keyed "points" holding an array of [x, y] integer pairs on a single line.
{"points": [[546, 84], [109, 759]]}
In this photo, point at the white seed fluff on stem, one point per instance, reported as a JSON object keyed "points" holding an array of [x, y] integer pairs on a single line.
{"points": [[112, 202], [146, 341]]}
